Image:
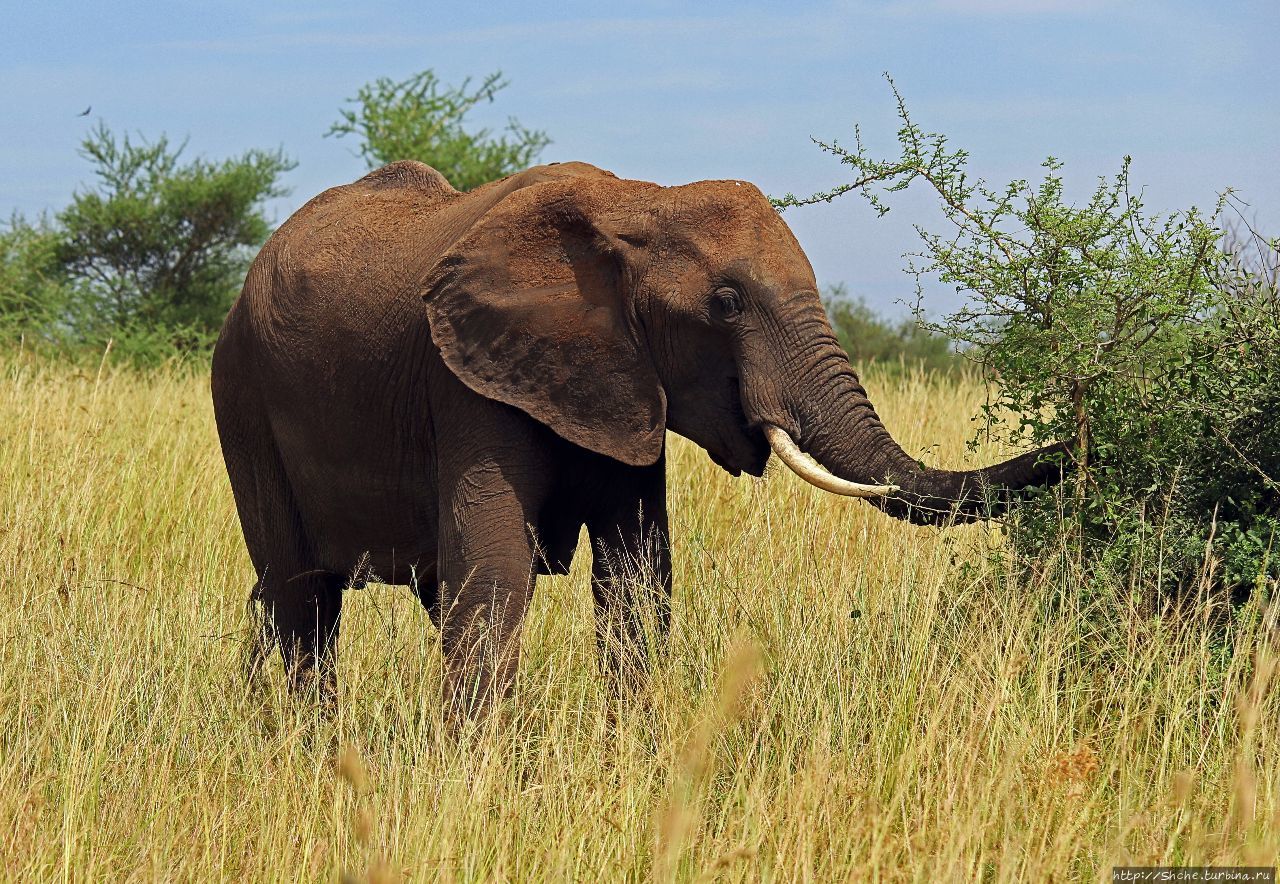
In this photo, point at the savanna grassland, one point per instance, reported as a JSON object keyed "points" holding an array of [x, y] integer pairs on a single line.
{"points": [[846, 697]]}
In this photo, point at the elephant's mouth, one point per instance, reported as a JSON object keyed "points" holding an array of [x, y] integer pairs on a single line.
{"points": [[759, 454], [744, 448]]}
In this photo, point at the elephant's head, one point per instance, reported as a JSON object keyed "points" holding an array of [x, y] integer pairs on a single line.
{"points": [[613, 310]]}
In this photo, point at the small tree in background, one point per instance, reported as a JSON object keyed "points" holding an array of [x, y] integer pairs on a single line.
{"points": [[160, 245], [869, 337], [1138, 335], [422, 119]]}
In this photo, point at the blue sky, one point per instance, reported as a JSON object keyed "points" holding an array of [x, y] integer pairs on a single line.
{"points": [[676, 92]]}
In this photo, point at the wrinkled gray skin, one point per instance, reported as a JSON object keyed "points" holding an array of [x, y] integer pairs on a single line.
{"points": [[440, 389]]}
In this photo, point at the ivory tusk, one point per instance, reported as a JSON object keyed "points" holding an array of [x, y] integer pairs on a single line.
{"points": [[813, 472]]}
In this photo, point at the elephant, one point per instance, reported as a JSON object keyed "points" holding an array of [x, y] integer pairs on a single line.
{"points": [[429, 387]]}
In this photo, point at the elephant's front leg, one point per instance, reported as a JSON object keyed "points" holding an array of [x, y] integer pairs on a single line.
{"points": [[631, 571], [486, 583]]}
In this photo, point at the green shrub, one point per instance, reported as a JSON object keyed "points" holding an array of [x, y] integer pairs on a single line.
{"points": [[1140, 335], [36, 295], [150, 259], [869, 337], [422, 119]]}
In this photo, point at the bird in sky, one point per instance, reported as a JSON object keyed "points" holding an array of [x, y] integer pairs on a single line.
{"points": [[85, 112]]}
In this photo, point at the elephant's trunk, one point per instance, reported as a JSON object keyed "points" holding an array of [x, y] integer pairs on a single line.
{"points": [[840, 429]]}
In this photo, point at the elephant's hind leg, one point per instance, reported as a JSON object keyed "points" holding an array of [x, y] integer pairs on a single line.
{"points": [[302, 613], [303, 624], [298, 605], [294, 605]]}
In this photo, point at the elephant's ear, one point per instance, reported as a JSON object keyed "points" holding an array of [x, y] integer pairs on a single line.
{"points": [[528, 309]]}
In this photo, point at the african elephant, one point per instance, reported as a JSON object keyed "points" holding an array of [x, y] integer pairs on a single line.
{"points": [[441, 388]]}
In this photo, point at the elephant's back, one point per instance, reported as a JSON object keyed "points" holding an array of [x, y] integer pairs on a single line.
{"points": [[354, 250], [346, 271]]}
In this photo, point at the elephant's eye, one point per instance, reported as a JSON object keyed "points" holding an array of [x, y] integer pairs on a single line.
{"points": [[728, 303]]}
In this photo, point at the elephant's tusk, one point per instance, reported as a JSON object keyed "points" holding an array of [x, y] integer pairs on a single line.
{"points": [[813, 472]]}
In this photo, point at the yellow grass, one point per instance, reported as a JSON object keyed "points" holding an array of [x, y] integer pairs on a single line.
{"points": [[961, 727]]}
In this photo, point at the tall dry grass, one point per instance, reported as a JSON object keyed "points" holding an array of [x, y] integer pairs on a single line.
{"points": [[846, 697]]}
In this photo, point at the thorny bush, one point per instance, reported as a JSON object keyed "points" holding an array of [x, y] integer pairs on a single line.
{"points": [[1152, 339]]}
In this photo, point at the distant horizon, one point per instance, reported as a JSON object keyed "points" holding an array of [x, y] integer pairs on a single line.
{"points": [[733, 92]]}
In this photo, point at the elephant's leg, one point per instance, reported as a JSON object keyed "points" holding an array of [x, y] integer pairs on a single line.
{"points": [[486, 584], [631, 570], [480, 633], [493, 474], [298, 608], [486, 577], [303, 613], [293, 604]]}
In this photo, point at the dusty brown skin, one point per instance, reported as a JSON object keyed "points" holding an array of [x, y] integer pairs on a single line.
{"points": [[440, 389]]}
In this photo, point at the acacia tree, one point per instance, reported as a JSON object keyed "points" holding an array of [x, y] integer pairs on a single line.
{"points": [[1136, 334], [423, 119], [162, 245]]}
